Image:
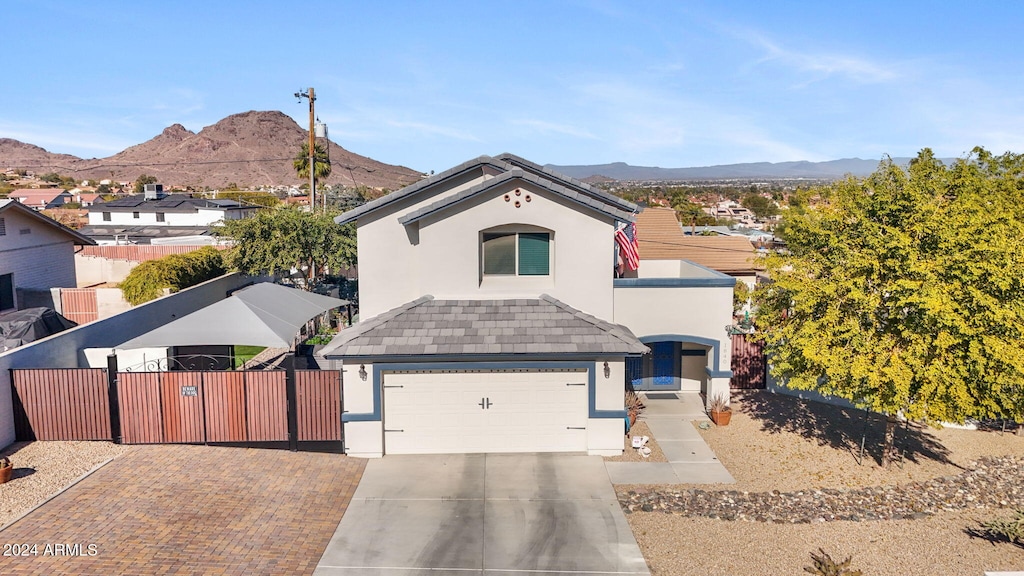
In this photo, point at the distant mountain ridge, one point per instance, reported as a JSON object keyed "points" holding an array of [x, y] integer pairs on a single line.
{"points": [[832, 169], [252, 148]]}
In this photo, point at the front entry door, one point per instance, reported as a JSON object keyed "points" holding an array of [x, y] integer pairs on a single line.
{"points": [[658, 370]]}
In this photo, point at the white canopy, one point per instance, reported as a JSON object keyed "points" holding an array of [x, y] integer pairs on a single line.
{"points": [[264, 314]]}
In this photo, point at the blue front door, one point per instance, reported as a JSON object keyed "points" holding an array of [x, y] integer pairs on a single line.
{"points": [[663, 365], [658, 370]]}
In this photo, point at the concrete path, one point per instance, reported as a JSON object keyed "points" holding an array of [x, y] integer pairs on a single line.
{"points": [[493, 514], [690, 459]]}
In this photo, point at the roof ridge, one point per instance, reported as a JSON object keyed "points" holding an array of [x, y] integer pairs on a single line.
{"points": [[617, 330]]}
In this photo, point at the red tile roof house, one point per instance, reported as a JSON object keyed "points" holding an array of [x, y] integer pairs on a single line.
{"points": [[491, 319], [41, 198]]}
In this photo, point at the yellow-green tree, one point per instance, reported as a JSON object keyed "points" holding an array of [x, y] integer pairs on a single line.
{"points": [[903, 292]]}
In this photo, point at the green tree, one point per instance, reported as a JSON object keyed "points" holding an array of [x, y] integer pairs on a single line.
{"points": [[141, 181], [51, 177], [902, 292], [148, 280], [265, 199], [320, 158], [760, 206], [278, 239]]}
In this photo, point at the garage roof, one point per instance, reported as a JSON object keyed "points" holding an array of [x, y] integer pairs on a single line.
{"points": [[527, 327]]}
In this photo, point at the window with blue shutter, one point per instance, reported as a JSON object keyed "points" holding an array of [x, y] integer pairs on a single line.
{"points": [[516, 254], [534, 259]]}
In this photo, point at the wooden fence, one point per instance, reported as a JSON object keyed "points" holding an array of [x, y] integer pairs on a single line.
{"points": [[61, 404], [79, 304], [748, 363], [140, 252], [179, 407]]}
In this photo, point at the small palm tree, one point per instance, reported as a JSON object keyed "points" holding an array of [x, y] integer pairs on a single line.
{"points": [[323, 164]]}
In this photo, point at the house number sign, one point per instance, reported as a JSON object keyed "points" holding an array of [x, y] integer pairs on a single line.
{"points": [[190, 391]]}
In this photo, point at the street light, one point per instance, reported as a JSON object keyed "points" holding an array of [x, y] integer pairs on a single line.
{"points": [[312, 146]]}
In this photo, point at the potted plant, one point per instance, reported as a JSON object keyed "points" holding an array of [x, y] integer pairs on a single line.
{"points": [[720, 411], [5, 469]]}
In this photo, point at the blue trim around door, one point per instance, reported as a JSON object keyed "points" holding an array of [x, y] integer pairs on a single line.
{"points": [[378, 369], [715, 371]]}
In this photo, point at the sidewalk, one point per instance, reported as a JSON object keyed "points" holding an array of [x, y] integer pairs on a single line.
{"points": [[669, 415]]}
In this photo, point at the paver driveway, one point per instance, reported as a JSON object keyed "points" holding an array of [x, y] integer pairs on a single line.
{"points": [[491, 514], [191, 510]]}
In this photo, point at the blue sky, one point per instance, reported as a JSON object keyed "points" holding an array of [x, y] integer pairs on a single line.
{"points": [[431, 84]]}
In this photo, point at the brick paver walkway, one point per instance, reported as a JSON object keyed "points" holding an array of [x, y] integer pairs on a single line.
{"points": [[190, 510]]}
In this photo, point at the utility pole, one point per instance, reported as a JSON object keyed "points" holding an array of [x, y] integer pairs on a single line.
{"points": [[312, 146]]}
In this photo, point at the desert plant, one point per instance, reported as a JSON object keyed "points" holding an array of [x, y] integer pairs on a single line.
{"points": [[5, 462], [1009, 529], [824, 565], [718, 403]]}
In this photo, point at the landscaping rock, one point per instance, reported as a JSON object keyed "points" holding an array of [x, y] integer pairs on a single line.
{"points": [[988, 483]]}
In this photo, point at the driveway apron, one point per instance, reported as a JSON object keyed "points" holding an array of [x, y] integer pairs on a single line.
{"points": [[494, 514]]}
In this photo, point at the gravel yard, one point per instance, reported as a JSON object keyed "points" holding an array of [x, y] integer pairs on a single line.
{"points": [[796, 461], [42, 469]]}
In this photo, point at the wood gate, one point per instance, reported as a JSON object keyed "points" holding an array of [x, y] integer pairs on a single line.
{"points": [[178, 407], [748, 363]]}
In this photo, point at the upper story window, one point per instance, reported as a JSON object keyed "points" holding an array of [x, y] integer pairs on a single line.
{"points": [[3, 227], [106, 216], [135, 215], [516, 253], [160, 217]]}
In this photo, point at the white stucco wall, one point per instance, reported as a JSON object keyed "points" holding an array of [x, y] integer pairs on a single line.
{"points": [[694, 311], [92, 270], [147, 217], [440, 255]]}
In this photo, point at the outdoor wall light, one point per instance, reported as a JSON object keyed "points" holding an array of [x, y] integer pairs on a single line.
{"points": [[362, 371], [607, 370]]}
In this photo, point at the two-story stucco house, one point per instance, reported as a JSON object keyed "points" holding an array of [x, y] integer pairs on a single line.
{"points": [[491, 320], [36, 253]]}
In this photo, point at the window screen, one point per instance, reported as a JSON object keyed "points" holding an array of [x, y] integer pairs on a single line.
{"points": [[500, 254]]}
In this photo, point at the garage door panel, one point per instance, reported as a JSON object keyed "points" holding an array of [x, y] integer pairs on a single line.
{"points": [[521, 412]]}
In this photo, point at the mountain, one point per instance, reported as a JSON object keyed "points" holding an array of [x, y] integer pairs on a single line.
{"points": [[832, 169], [252, 148]]}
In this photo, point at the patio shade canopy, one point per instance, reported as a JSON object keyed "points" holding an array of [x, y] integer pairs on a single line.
{"points": [[265, 314]]}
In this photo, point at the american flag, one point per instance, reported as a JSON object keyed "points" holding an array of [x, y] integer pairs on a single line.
{"points": [[628, 247]]}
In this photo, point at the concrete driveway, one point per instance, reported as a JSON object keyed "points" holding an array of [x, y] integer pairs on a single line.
{"points": [[493, 514]]}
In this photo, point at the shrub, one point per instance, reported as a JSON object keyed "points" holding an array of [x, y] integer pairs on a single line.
{"points": [[1007, 529], [824, 565], [178, 271]]}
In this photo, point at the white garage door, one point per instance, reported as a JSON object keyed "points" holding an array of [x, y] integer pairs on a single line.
{"points": [[513, 411]]}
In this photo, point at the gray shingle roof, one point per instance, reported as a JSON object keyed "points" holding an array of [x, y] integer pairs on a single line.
{"points": [[428, 327], [504, 163], [517, 173]]}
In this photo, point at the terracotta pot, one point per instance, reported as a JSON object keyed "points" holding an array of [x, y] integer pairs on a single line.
{"points": [[721, 417], [5, 470]]}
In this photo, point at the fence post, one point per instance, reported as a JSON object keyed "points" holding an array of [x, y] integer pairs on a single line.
{"points": [[115, 410], [291, 393]]}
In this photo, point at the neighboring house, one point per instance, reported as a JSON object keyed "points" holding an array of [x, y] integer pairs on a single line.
{"points": [[663, 244], [491, 320], [41, 198], [36, 254], [144, 218], [87, 199]]}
